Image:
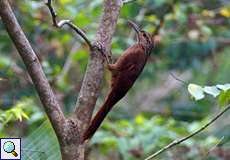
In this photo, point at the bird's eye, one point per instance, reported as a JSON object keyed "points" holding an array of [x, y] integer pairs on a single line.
{"points": [[144, 34]]}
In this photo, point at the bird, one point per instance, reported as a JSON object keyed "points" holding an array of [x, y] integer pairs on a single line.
{"points": [[124, 72]]}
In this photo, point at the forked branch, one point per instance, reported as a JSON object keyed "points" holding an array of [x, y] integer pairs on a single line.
{"points": [[90, 89], [34, 68], [66, 22]]}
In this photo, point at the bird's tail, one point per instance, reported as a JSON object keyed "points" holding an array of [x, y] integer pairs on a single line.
{"points": [[111, 100]]}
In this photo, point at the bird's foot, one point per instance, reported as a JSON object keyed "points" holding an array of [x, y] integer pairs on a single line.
{"points": [[98, 46]]}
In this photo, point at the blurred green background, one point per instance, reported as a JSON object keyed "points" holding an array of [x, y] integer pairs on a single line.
{"points": [[195, 46]]}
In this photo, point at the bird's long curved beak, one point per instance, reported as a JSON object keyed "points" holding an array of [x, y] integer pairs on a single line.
{"points": [[134, 26]]}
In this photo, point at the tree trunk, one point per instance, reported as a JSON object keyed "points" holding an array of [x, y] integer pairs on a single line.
{"points": [[73, 152], [69, 130]]}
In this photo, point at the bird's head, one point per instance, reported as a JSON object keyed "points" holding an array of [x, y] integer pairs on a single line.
{"points": [[144, 38]]}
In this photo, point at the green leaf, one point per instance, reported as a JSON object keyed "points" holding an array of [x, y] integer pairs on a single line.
{"points": [[212, 90], [63, 2], [224, 98], [196, 91], [24, 115], [139, 119], [17, 113]]}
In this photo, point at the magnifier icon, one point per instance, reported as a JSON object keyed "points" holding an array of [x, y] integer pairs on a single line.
{"points": [[9, 147]]}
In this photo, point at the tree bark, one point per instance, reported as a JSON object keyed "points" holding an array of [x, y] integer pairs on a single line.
{"points": [[92, 81], [69, 131], [46, 95]]}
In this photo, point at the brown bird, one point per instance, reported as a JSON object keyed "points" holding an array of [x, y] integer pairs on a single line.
{"points": [[124, 73]]}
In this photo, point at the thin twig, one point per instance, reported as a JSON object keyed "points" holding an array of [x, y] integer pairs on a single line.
{"points": [[66, 22], [127, 1], [34, 68], [178, 79], [52, 12], [176, 142]]}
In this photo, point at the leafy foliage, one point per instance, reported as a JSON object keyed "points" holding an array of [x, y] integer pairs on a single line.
{"points": [[137, 138], [15, 113], [221, 90], [194, 40]]}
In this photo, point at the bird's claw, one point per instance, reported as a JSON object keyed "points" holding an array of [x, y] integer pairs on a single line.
{"points": [[98, 46]]}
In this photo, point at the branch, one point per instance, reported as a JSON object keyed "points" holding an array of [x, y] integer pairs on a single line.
{"points": [[178, 79], [90, 89], [66, 22], [46, 95], [176, 142], [127, 1]]}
